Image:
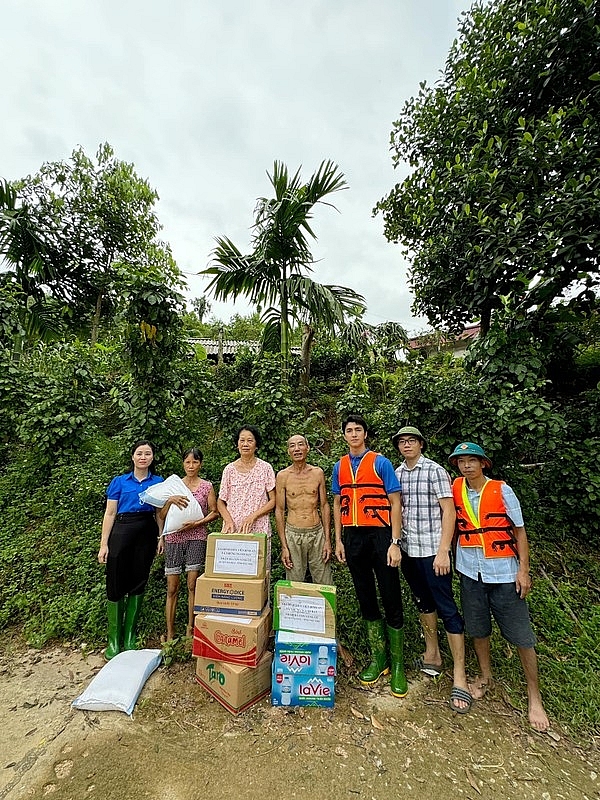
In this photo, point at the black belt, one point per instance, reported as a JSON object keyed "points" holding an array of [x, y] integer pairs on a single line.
{"points": [[133, 516]]}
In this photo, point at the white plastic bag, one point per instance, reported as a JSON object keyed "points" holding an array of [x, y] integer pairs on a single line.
{"points": [[178, 517], [118, 684], [158, 495]]}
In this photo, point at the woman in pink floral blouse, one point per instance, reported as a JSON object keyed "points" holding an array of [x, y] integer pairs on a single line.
{"points": [[247, 493]]}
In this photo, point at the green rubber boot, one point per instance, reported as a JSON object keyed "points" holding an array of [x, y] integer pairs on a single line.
{"points": [[115, 627], [398, 684], [379, 660], [132, 614]]}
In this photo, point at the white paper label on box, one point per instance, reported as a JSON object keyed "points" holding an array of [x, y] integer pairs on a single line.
{"points": [[302, 613], [231, 618], [236, 557], [289, 637]]}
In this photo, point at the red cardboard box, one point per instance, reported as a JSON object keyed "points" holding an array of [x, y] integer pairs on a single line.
{"points": [[231, 638]]}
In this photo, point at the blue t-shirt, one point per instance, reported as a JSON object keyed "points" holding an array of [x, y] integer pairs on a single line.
{"points": [[383, 467], [126, 490]]}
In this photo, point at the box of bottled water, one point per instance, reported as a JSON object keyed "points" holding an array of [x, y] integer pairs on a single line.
{"points": [[301, 654], [302, 690]]}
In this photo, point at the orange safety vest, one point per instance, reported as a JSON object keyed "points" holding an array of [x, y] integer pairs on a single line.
{"points": [[491, 528], [363, 499]]}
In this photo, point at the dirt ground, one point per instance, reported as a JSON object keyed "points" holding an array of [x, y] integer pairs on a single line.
{"points": [[181, 744]]}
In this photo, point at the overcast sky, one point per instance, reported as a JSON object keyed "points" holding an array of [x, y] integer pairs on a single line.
{"points": [[203, 96]]}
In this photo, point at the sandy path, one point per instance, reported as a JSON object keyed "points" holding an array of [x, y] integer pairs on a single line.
{"points": [[182, 744]]}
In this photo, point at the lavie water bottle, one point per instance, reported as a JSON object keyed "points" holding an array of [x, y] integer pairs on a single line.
{"points": [[322, 662], [286, 691]]}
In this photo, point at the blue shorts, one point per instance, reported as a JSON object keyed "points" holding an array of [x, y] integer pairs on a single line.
{"points": [[432, 592], [481, 601]]}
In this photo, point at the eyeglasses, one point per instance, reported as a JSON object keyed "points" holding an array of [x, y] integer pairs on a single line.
{"points": [[410, 441]]}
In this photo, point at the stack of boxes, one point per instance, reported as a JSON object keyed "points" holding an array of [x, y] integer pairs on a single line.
{"points": [[233, 621], [305, 659]]}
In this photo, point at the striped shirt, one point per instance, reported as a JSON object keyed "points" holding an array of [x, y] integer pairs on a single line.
{"points": [[423, 486], [471, 561]]}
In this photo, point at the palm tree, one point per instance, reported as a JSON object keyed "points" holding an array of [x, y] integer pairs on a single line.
{"points": [[381, 343], [24, 248], [273, 275]]}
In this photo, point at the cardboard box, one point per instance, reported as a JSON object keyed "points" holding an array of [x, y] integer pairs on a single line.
{"points": [[301, 654], [236, 555], [302, 690], [247, 597], [231, 638], [305, 608], [235, 687]]}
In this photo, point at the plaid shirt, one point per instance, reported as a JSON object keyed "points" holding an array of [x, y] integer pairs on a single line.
{"points": [[422, 488]]}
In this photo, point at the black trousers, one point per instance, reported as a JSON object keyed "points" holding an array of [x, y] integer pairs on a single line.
{"points": [[366, 556], [131, 549]]}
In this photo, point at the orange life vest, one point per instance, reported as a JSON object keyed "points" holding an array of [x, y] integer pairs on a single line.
{"points": [[491, 528], [363, 499]]}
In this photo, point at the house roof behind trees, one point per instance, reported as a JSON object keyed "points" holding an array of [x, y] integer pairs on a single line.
{"points": [[438, 341]]}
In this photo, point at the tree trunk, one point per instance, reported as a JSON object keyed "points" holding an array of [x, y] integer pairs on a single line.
{"points": [[285, 331], [220, 347], [308, 336], [486, 318], [96, 318], [17, 351]]}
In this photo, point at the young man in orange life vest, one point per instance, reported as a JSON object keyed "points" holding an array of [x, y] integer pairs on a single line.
{"points": [[492, 557], [366, 508]]}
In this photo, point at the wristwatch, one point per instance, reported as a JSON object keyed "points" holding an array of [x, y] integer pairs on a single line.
{"points": [[396, 542]]}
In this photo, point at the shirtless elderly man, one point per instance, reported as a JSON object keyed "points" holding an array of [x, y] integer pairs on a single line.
{"points": [[305, 534]]}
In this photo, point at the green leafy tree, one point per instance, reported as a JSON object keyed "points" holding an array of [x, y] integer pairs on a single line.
{"points": [[29, 264], [81, 224], [242, 328], [381, 344], [54, 398], [11, 326], [502, 208], [378, 347], [153, 346], [25, 248], [274, 274], [201, 307]]}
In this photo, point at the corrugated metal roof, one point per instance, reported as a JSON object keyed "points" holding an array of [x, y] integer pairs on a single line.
{"points": [[467, 335], [230, 346]]}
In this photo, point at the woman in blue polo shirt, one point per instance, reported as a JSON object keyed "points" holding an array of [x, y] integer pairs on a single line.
{"points": [[128, 547]]}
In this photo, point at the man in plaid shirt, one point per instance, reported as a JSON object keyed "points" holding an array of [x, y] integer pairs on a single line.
{"points": [[428, 520]]}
